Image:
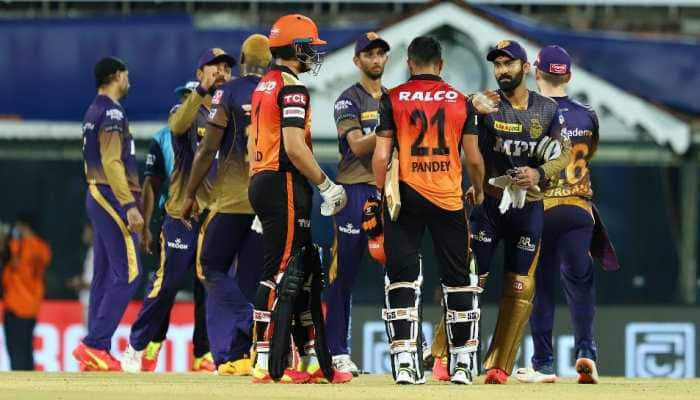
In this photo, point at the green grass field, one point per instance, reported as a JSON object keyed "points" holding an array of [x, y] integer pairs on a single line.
{"points": [[102, 386]]}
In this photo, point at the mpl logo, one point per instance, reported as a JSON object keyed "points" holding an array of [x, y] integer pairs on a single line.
{"points": [[658, 349], [375, 346]]}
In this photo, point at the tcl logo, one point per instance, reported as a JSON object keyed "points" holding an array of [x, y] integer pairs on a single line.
{"points": [[295, 98], [266, 86], [440, 95]]}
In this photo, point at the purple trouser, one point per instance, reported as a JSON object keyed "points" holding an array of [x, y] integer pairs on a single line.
{"points": [[117, 266], [178, 249], [351, 243], [565, 249], [225, 238]]}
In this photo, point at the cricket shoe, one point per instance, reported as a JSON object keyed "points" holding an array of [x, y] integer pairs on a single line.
{"points": [[290, 376], [407, 375], [150, 356], [338, 376], [544, 374], [240, 367], [95, 359], [587, 371], [343, 363], [204, 363], [131, 360], [462, 375], [440, 371], [496, 376]]}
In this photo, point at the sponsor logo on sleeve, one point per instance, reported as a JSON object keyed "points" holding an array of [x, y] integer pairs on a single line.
{"points": [[114, 114], [342, 104], [525, 243], [294, 112], [150, 159], [294, 99]]}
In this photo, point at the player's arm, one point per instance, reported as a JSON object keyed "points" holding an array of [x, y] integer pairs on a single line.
{"points": [[110, 137], [153, 179], [596, 136], [294, 103], [385, 142], [557, 161], [474, 160], [206, 152], [182, 118], [347, 122]]}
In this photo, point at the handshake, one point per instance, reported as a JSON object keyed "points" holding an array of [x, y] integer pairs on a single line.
{"points": [[334, 197]]}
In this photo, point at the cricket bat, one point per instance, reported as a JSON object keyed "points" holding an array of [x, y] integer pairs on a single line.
{"points": [[391, 188]]}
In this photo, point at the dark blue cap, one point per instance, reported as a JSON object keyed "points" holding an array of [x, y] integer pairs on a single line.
{"points": [[370, 40], [216, 54], [553, 60], [508, 48]]}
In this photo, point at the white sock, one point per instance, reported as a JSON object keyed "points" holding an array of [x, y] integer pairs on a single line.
{"points": [[261, 361]]}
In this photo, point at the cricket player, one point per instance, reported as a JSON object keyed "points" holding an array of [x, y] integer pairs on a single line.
{"points": [[159, 167], [569, 225], [282, 165], [112, 206], [356, 118], [430, 123], [226, 232], [178, 236], [523, 147]]}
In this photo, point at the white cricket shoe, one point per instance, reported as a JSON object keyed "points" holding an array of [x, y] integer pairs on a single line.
{"points": [[131, 360], [462, 375], [529, 375], [343, 363]]}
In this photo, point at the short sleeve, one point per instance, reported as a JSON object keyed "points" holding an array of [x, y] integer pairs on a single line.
{"points": [[220, 109], [386, 117], [155, 163], [471, 124], [558, 125], [113, 121], [294, 105], [346, 115]]}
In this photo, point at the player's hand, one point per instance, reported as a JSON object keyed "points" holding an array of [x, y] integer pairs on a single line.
{"points": [[526, 177], [372, 217], [208, 80], [135, 220], [190, 211], [147, 241], [474, 198], [486, 102], [334, 197]]}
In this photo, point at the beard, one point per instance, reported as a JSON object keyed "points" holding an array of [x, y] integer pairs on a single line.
{"points": [[512, 82]]}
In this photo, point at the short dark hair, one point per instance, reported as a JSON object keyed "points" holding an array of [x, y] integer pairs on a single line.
{"points": [[553, 79], [284, 52], [27, 218], [424, 51]]}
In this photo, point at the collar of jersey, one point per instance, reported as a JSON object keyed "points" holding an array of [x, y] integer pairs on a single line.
{"points": [[284, 69], [425, 77]]}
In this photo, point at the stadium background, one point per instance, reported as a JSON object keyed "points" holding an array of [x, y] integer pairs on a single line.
{"points": [[646, 179]]}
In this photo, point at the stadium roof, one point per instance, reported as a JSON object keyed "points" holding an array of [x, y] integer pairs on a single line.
{"points": [[624, 117]]}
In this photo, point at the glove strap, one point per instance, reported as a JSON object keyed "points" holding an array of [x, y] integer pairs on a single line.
{"points": [[325, 185]]}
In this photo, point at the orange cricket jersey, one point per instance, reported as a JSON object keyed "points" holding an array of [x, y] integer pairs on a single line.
{"points": [[429, 119], [280, 100]]}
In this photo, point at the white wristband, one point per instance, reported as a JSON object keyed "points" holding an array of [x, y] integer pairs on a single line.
{"points": [[323, 186]]}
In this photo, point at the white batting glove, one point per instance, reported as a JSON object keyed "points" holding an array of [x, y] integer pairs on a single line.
{"points": [[257, 225], [334, 197]]}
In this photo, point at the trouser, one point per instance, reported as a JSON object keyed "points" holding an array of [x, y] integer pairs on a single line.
{"points": [[402, 243], [350, 246], [117, 266], [567, 237], [225, 238], [282, 201], [19, 335], [521, 230], [178, 246]]}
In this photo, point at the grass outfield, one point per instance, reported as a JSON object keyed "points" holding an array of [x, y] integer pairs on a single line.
{"points": [[99, 386]]}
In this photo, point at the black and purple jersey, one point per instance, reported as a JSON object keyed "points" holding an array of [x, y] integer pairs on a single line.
{"points": [[109, 152], [230, 111], [355, 108], [582, 131]]}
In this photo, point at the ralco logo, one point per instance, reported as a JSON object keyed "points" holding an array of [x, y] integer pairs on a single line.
{"points": [[440, 95]]}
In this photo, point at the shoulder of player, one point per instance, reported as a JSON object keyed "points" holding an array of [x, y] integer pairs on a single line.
{"points": [[290, 80], [544, 100]]}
